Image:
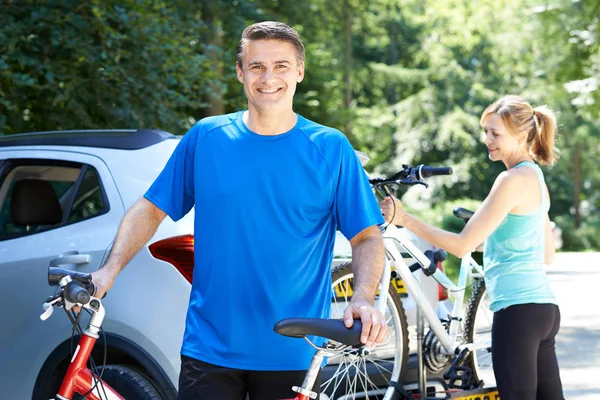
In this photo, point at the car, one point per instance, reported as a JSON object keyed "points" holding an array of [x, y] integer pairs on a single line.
{"points": [[62, 197]]}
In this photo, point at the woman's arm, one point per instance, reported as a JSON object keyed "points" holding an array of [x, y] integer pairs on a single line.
{"points": [[549, 245], [508, 191]]}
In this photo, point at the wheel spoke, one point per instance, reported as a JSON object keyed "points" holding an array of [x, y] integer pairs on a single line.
{"points": [[379, 366], [367, 382], [336, 379]]}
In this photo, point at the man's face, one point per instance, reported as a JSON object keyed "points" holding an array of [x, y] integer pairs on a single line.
{"points": [[270, 72]]}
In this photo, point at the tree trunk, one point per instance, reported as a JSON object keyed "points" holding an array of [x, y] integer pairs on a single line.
{"points": [[347, 78], [213, 37], [394, 57], [577, 184]]}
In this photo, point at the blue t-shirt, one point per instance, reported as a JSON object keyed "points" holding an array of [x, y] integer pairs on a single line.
{"points": [[267, 208]]}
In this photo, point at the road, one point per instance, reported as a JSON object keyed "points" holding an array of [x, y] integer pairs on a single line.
{"points": [[575, 278]]}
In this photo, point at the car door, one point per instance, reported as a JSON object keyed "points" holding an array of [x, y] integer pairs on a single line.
{"points": [[83, 222]]}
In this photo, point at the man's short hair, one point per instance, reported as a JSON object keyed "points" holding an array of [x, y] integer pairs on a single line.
{"points": [[270, 30]]}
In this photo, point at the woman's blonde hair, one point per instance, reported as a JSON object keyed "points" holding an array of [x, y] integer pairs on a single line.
{"points": [[538, 125]]}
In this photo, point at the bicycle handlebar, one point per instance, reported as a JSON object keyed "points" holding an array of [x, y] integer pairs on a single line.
{"points": [[56, 274], [426, 171], [411, 176], [76, 289], [76, 293]]}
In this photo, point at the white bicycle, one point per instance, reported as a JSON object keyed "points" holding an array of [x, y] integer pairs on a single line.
{"points": [[460, 342]]}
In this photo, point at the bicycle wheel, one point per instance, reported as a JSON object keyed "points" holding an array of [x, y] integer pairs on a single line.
{"points": [[478, 329], [354, 374]]}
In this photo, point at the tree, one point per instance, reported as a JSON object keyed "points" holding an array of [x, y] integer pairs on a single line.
{"points": [[101, 64]]}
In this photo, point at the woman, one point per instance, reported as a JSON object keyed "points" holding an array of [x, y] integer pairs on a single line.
{"points": [[513, 220]]}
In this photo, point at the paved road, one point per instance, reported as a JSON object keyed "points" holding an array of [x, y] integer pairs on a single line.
{"points": [[575, 278]]}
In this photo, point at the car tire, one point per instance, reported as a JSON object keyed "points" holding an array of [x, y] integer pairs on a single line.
{"points": [[131, 384]]}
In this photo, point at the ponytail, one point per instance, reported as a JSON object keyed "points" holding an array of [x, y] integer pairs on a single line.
{"points": [[542, 138]]}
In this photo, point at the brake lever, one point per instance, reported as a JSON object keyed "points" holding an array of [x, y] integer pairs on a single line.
{"points": [[48, 307], [413, 182]]}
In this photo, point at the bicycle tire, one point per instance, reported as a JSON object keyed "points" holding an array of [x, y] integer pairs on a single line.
{"points": [[478, 327], [387, 362]]}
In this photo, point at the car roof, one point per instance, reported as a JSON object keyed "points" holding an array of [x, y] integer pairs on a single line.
{"points": [[123, 139]]}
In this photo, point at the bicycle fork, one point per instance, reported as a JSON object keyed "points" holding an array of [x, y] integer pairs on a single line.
{"points": [[79, 379]]}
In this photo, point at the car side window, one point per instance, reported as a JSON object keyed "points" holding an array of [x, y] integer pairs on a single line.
{"points": [[89, 200], [40, 195]]}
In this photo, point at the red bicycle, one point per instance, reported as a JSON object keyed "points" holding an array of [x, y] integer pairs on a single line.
{"points": [[77, 290]]}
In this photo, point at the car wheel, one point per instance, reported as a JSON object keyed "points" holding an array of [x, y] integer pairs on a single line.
{"points": [[130, 383]]}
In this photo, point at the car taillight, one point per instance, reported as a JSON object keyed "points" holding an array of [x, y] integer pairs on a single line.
{"points": [[442, 292], [178, 251]]}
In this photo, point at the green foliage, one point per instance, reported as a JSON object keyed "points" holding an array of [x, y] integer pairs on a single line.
{"points": [[406, 82], [579, 239], [100, 64]]}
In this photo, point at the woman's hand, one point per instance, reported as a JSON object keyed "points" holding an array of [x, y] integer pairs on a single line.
{"points": [[392, 211]]}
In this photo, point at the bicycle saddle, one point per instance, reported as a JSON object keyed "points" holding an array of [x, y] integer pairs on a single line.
{"points": [[328, 328], [463, 214]]}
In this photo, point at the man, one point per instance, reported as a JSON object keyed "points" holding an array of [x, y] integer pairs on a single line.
{"points": [[284, 184]]}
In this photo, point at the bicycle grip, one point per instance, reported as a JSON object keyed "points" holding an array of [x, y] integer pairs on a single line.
{"points": [[426, 171], [75, 292]]}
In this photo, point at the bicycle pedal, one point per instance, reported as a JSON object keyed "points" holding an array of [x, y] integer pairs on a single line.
{"points": [[460, 376]]}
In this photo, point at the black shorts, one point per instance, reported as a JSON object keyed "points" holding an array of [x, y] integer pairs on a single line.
{"points": [[202, 381]]}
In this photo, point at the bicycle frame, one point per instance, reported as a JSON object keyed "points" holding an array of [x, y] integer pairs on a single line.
{"points": [[310, 378], [79, 379], [394, 260]]}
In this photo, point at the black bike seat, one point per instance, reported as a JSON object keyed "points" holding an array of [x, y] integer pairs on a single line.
{"points": [[328, 328], [463, 214]]}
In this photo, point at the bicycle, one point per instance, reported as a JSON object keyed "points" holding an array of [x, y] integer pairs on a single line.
{"points": [[479, 317], [453, 339], [77, 289]]}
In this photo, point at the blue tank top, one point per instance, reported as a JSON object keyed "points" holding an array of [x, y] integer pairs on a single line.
{"points": [[514, 257]]}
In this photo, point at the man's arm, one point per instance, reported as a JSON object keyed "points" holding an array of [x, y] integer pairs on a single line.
{"points": [[367, 263], [367, 267], [137, 227]]}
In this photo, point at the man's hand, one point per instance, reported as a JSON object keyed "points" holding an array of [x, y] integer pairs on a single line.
{"points": [[103, 279], [374, 325]]}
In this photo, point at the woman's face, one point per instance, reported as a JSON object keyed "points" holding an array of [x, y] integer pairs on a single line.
{"points": [[501, 144]]}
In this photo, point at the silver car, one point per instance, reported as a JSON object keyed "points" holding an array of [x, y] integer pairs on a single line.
{"points": [[62, 196]]}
